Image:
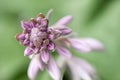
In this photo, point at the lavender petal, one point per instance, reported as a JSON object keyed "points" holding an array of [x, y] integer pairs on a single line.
{"points": [[53, 69], [33, 69], [81, 70], [45, 56], [79, 45], [94, 44], [27, 51], [64, 52], [65, 20], [86, 45]]}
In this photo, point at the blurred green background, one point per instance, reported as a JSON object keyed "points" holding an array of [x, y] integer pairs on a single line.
{"points": [[92, 18]]}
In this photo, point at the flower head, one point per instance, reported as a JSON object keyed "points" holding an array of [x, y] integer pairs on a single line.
{"points": [[41, 40]]}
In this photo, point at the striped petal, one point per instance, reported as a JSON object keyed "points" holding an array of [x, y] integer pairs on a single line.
{"points": [[45, 56], [64, 52]]}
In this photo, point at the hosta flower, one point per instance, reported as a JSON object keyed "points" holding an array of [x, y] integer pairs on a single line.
{"points": [[41, 40]]}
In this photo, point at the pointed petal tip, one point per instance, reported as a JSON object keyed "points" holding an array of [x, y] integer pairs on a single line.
{"points": [[65, 20], [27, 51], [95, 44]]}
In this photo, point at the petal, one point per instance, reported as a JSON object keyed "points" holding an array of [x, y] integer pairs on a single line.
{"points": [[65, 20], [80, 45], [28, 51], [62, 29], [94, 44], [40, 64], [45, 56], [64, 52], [85, 65], [86, 45], [53, 69], [65, 30], [33, 69], [81, 70]]}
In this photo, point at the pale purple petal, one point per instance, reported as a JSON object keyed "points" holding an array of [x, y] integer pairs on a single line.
{"points": [[80, 45], [45, 56], [81, 70], [33, 69], [65, 31], [28, 51], [54, 70], [65, 20], [94, 44], [40, 64], [85, 65], [64, 52]]}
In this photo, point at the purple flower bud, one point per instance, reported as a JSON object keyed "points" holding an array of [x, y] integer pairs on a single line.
{"points": [[20, 37], [81, 70], [25, 25], [28, 51]]}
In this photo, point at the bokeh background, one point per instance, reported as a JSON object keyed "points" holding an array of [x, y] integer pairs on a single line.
{"points": [[92, 18]]}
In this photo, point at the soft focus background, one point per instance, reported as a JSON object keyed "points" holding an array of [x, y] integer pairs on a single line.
{"points": [[92, 18]]}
